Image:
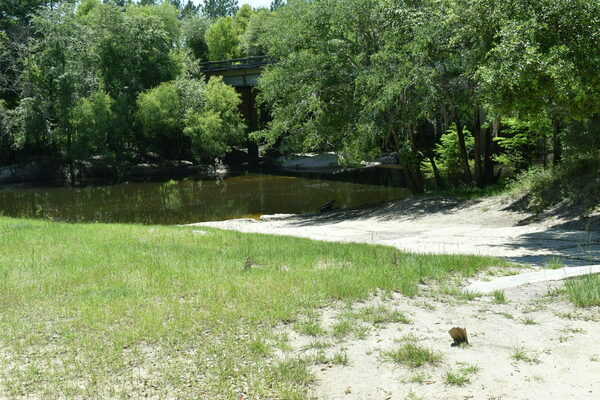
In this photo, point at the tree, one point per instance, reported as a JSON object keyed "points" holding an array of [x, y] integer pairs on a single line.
{"points": [[242, 17], [214, 130], [546, 64], [194, 36], [223, 39], [252, 39], [345, 81], [275, 4], [190, 9], [93, 121], [158, 113], [214, 9], [448, 151], [57, 70], [15, 33]]}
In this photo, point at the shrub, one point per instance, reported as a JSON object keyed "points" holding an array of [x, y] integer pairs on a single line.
{"points": [[219, 125], [449, 153], [93, 120]]}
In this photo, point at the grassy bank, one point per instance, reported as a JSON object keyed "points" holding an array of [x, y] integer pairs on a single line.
{"points": [[96, 310]]}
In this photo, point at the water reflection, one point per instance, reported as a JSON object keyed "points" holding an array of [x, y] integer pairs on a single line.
{"points": [[178, 202]]}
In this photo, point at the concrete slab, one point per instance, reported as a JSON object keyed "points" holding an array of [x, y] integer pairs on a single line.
{"points": [[439, 226], [545, 275]]}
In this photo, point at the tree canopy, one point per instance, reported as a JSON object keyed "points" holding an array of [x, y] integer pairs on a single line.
{"points": [[464, 83]]}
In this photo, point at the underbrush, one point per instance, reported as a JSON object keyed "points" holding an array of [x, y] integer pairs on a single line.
{"points": [[577, 182]]}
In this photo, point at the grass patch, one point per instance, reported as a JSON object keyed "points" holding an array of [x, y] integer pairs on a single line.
{"points": [[529, 321], [584, 291], [519, 353], [554, 263], [456, 378], [499, 297], [457, 292], [340, 358], [378, 315], [342, 328], [412, 355], [419, 377], [461, 376], [309, 328], [413, 396], [85, 307], [467, 192]]}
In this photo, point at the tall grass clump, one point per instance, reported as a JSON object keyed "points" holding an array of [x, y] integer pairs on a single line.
{"points": [[584, 291]]}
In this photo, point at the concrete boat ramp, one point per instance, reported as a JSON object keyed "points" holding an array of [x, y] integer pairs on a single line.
{"points": [[438, 225]]}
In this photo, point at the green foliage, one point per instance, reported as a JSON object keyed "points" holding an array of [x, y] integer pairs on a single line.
{"points": [[584, 291], [215, 9], [223, 39], [358, 77], [275, 4], [449, 154], [194, 32], [159, 112], [523, 143], [331, 88], [412, 355], [10, 139], [162, 113], [166, 13], [214, 130], [93, 121], [242, 17], [576, 181], [254, 35], [541, 65]]}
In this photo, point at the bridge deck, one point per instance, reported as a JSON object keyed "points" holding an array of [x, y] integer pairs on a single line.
{"points": [[236, 64]]}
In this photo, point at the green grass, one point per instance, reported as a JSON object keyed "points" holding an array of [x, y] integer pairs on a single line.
{"points": [[461, 376], [499, 297], [529, 321], [554, 263], [99, 310], [519, 353], [310, 328], [378, 315], [412, 355], [584, 291], [471, 192]]}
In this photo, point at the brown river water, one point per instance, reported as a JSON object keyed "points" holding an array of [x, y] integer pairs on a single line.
{"points": [[188, 200]]}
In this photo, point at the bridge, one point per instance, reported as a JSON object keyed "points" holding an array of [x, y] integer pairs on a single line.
{"points": [[242, 74], [238, 72]]}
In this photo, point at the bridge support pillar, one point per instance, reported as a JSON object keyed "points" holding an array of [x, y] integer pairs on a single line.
{"points": [[249, 111]]}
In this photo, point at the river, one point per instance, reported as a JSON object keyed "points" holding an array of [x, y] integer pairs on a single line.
{"points": [[189, 200]]}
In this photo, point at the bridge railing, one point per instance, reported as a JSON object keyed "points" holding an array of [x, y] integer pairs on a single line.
{"points": [[236, 64]]}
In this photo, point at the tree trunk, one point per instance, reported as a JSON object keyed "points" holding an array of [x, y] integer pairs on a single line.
{"points": [[479, 175], [464, 157], [556, 142], [413, 166], [488, 165], [436, 172]]}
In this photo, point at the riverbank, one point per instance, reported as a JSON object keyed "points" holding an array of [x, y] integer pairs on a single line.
{"points": [[59, 173], [112, 311], [491, 226]]}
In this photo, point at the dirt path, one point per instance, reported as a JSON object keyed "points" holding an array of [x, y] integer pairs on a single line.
{"points": [[441, 225], [559, 350]]}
